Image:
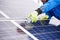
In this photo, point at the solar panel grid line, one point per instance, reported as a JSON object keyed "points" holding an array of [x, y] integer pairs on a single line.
{"points": [[55, 35], [58, 29], [43, 30], [48, 36], [57, 39], [33, 31], [44, 25], [52, 36], [45, 37], [54, 28], [37, 30], [48, 29], [46, 32]]}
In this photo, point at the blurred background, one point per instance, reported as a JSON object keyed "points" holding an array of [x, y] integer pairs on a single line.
{"points": [[17, 8]]}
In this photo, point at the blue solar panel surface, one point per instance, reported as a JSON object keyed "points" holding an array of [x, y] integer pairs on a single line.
{"points": [[47, 32]]}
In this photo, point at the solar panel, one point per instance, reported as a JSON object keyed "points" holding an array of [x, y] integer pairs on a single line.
{"points": [[46, 32]]}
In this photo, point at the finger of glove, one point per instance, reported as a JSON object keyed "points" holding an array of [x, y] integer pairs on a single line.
{"points": [[34, 19], [44, 18]]}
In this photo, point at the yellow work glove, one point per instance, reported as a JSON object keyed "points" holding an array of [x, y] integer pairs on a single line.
{"points": [[33, 16], [43, 17]]}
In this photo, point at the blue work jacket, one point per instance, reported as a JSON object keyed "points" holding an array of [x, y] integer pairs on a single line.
{"points": [[52, 8]]}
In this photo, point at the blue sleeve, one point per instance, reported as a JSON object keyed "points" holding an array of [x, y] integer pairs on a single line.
{"points": [[50, 5]]}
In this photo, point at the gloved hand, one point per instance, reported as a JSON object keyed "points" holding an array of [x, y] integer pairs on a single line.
{"points": [[43, 19], [33, 16], [43, 16]]}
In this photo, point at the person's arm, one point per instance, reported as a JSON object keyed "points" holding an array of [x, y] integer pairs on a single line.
{"points": [[48, 6]]}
